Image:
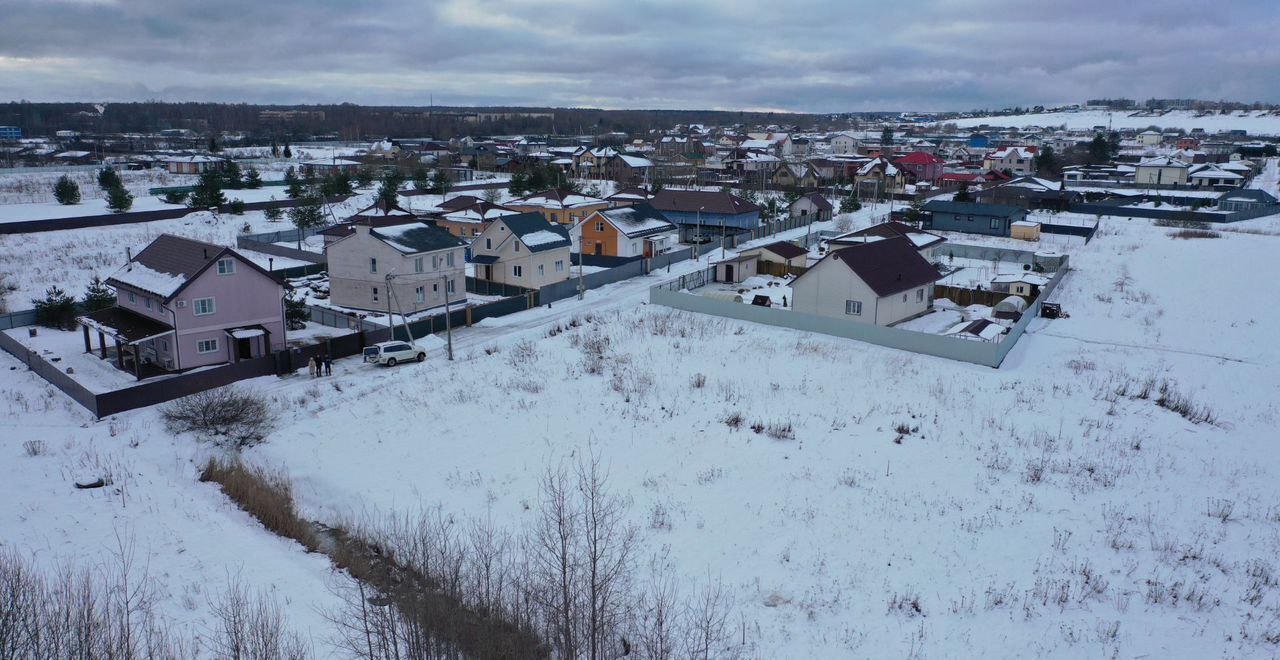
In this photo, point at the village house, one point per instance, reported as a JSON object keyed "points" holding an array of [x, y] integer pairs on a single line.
{"points": [[558, 205], [926, 167], [421, 263], [629, 170], [628, 196], [843, 143], [704, 215], [637, 230], [813, 206], [1246, 199], [1161, 171], [880, 282], [971, 218], [524, 250], [198, 164], [1018, 161], [879, 178], [926, 243], [182, 304], [781, 252]]}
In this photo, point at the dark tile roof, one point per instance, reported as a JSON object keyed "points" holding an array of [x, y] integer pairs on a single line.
{"points": [[887, 266], [420, 237], [785, 250], [969, 208], [524, 224], [178, 255], [1250, 194], [820, 201], [460, 202], [373, 221], [892, 229], [709, 201], [638, 220]]}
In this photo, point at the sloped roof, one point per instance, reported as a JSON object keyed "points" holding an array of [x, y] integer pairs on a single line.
{"points": [[416, 237], [818, 200], [169, 263], [709, 201], [919, 158], [970, 208], [458, 203], [125, 324], [918, 237], [637, 220], [556, 197], [785, 249], [1162, 161], [630, 194], [532, 229], [888, 266]]}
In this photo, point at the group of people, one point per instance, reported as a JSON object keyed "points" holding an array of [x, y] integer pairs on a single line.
{"points": [[320, 367]]}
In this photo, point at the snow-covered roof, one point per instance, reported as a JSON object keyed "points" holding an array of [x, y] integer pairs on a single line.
{"points": [[139, 276], [637, 220], [541, 237], [635, 161]]}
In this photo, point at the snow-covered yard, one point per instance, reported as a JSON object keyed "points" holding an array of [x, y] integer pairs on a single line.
{"points": [[65, 349]]}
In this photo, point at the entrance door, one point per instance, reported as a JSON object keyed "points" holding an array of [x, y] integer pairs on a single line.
{"points": [[599, 248], [488, 273], [244, 349], [728, 273]]}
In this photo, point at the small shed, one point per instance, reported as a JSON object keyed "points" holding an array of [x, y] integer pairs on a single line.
{"points": [[1025, 230], [737, 269], [1011, 307]]}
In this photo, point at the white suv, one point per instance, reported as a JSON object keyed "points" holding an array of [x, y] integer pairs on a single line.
{"points": [[391, 353]]}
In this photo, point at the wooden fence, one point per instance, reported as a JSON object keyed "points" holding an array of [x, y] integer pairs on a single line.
{"points": [[965, 297], [779, 270]]}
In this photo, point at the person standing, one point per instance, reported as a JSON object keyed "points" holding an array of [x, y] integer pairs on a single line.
{"points": [[328, 365], [312, 368]]}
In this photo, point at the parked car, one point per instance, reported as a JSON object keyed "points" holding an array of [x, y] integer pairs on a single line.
{"points": [[392, 353]]}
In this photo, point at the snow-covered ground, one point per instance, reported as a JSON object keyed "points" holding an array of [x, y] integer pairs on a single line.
{"points": [[1255, 122], [922, 508]]}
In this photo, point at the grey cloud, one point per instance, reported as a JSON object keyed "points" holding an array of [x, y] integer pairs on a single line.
{"points": [[804, 55]]}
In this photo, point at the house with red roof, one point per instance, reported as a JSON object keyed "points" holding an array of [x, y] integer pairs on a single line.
{"points": [[926, 166]]}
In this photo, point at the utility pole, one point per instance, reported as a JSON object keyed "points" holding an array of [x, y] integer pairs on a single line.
{"points": [[448, 320]]}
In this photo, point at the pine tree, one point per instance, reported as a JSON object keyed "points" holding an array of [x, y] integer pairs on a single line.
{"points": [[364, 178], [441, 182], [208, 192], [292, 186], [288, 153], [56, 310], [213, 144], [886, 137], [66, 191], [519, 184], [252, 179], [119, 200], [1047, 162], [421, 180], [850, 204], [273, 213], [97, 296], [231, 176], [275, 149], [962, 195], [308, 214], [296, 313], [108, 179], [389, 192], [1099, 150]]}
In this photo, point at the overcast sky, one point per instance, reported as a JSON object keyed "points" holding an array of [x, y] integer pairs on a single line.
{"points": [[798, 55]]}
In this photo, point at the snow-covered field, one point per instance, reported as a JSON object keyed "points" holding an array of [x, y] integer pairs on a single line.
{"points": [[908, 506], [1255, 122]]}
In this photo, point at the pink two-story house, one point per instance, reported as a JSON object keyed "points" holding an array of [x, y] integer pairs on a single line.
{"points": [[182, 304]]}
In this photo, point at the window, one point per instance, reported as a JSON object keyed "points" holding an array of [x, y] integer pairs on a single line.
{"points": [[541, 271], [204, 306], [226, 266], [904, 297], [600, 226], [488, 243], [970, 218], [435, 262], [475, 232], [417, 266], [420, 294], [853, 307], [132, 298], [996, 223], [517, 246], [560, 266], [147, 302], [373, 264], [375, 294], [919, 295], [207, 346], [448, 259], [435, 291], [449, 286], [517, 271], [164, 345]]}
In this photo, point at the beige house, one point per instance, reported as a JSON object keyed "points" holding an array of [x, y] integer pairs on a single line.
{"points": [[422, 263], [881, 282], [1025, 230], [1161, 171], [781, 252], [523, 250], [1021, 161]]}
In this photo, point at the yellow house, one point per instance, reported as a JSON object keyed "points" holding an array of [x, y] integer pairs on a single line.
{"points": [[560, 206], [1025, 230]]}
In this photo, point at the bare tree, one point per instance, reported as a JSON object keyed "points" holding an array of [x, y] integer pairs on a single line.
{"points": [[707, 622], [607, 545], [555, 562]]}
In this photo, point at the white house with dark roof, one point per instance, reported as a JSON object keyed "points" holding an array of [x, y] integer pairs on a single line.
{"points": [[882, 282], [522, 249], [423, 265], [182, 303]]}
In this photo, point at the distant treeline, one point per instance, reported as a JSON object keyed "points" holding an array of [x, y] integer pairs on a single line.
{"points": [[354, 122]]}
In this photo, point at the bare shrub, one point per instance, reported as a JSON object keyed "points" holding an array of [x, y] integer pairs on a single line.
{"points": [[906, 603], [903, 428], [265, 495], [733, 420], [780, 431], [698, 381], [631, 380], [523, 353], [1171, 399], [34, 447], [230, 416], [254, 627], [1220, 508], [1195, 233]]}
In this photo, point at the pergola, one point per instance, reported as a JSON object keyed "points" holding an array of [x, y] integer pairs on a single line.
{"points": [[127, 329]]}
